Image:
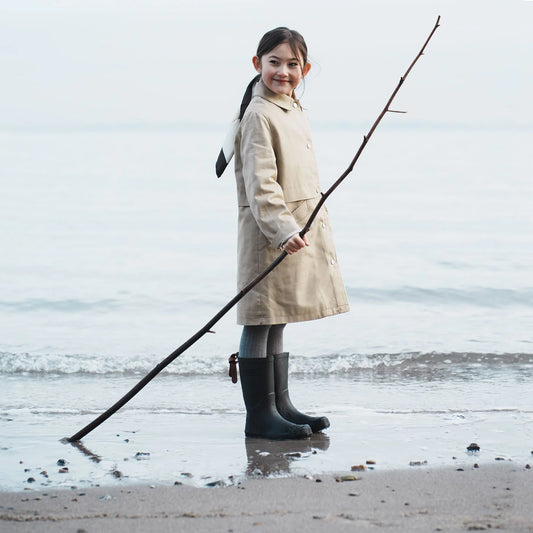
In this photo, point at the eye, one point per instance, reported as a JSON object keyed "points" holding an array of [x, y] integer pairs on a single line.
{"points": [[273, 62]]}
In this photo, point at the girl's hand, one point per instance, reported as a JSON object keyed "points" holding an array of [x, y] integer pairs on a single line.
{"points": [[295, 243]]}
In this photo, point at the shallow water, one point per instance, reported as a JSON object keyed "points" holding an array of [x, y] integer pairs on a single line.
{"points": [[194, 425]]}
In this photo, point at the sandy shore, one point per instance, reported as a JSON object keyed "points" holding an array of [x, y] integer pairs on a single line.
{"points": [[415, 499]]}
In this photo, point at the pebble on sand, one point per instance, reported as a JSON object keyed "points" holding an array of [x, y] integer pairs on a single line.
{"points": [[341, 479]]}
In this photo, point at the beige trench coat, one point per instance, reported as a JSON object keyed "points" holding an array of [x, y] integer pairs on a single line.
{"points": [[277, 189]]}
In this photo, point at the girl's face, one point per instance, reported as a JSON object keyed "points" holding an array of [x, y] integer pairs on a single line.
{"points": [[280, 70]]}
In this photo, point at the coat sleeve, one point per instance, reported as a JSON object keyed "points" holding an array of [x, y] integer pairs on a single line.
{"points": [[264, 193]]}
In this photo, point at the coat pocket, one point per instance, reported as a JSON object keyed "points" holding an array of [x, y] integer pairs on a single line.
{"points": [[300, 211]]}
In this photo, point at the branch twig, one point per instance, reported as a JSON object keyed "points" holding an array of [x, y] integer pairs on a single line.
{"points": [[207, 328]]}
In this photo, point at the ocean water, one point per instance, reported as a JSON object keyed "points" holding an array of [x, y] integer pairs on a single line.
{"points": [[118, 244]]}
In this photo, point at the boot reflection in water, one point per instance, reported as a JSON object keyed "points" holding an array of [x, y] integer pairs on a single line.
{"points": [[269, 457]]}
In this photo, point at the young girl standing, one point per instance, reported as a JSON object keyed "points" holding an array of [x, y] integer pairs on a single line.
{"points": [[277, 189]]}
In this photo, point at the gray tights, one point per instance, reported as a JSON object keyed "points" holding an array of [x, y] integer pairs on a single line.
{"points": [[258, 341]]}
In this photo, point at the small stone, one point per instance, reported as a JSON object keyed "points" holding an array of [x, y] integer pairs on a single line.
{"points": [[473, 447], [142, 455], [178, 483], [63, 470], [358, 468], [293, 454], [476, 465], [318, 480], [186, 474], [417, 463], [116, 473], [218, 483], [126, 440], [61, 462], [499, 459], [353, 494], [106, 497], [341, 479], [44, 473], [527, 466], [370, 462], [31, 480], [26, 470], [460, 469]]}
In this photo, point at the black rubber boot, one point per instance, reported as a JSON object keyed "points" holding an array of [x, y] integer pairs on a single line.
{"points": [[283, 401], [262, 417]]}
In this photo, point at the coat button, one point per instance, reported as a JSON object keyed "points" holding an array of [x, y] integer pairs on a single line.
{"points": [[332, 261], [323, 225], [295, 105], [308, 146]]}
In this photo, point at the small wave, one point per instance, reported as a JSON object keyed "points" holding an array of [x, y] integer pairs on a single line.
{"points": [[68, 305], [330, 364], [476, 296]]}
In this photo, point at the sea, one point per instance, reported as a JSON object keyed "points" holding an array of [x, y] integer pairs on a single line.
{"points": [[118, 244]]}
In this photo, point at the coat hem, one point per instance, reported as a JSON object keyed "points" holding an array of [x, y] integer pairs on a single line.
{"points": [[279, 319]]}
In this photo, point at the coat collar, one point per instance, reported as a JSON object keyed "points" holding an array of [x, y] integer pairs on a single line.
{"points": [[281, 100]]}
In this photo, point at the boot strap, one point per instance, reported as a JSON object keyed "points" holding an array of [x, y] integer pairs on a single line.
{"points": [[233, 358]]}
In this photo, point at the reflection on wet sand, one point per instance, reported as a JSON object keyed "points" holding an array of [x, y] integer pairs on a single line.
{"points": [[270, 457], [77, 444]]}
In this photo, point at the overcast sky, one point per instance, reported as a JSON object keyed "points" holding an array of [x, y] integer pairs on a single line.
{"points": [[110, 62]]}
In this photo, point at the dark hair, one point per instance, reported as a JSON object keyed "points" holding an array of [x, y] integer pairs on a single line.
{"points": [[273, 38]]}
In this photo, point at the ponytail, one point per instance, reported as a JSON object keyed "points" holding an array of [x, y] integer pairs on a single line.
{"points": [[226, 152]]}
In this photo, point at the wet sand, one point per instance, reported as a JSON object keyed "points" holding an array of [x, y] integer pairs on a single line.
{"points": [[418, 498]]}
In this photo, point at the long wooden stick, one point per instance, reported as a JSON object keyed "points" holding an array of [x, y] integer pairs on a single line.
{"points": [[187, 344]]}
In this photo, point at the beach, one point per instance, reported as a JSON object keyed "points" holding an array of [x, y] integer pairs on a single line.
{"points": [[418, 499], [385, 462]]}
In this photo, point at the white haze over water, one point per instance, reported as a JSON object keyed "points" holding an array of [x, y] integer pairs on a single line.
{"points": [[111, 62], [118, 241], [113, 113]]}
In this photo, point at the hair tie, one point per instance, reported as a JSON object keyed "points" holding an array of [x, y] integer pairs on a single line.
{"points": [[226, 152]]}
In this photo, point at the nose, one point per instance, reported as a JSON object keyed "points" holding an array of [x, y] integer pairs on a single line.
{"points": [[282, 70]]}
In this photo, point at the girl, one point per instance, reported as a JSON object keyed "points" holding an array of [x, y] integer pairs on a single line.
{"points": [[277, 189]]}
